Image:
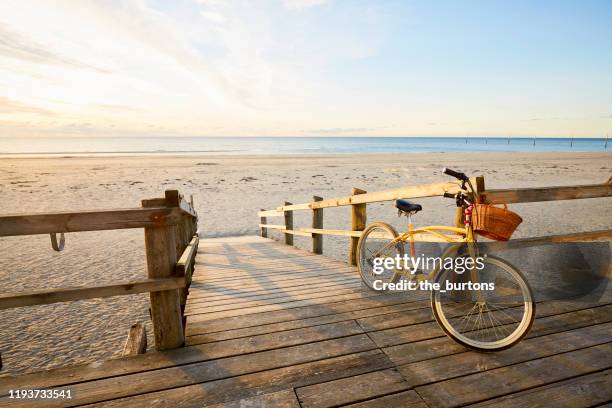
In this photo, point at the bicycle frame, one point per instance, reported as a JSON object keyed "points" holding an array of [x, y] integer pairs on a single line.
{"points": [[462, 235]]}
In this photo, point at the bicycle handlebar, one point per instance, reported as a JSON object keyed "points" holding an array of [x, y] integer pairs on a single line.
{"points": [[449, 195], [456, 174]]}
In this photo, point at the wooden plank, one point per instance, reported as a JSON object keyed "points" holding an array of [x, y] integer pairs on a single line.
{"points": [[174, 199], [97, 220], [288, 225], [296, 232], [196, 338], [282, 306], [274, 295], [338, 232], [249, 304], [358, 223], [212, 293], [437, 189], [236, 322], [421, 348], [353, 389], [585, 391], [317, 223], [209, 372], [136, 342], [424, 190], [166, 311], [599, 235], [458, 365], [270, 213], [89, 292], [257, 383], [258, 281], [419, 237], [529, 195], [550, 318], [187, 355], [187, 258], [273, 226], [262, 221], [280, 399], [402, 399], [277, 296], [506, 380]]}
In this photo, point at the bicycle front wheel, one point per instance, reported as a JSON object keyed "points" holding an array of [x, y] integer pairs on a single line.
{"points": [[489, 309], [377, 241]]}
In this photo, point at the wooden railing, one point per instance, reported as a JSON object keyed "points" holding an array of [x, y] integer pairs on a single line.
{"points": [[171, 241], [360, 198]]}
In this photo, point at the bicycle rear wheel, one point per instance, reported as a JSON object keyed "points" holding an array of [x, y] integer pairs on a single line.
{"points": [[376, 241], [484, 317]]}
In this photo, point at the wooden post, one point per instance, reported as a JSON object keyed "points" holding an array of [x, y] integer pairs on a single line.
{"points": [[478, 183], [263, 230], [160, 246], [288, 225], [136, 342], [358, 223], [317, 222]]}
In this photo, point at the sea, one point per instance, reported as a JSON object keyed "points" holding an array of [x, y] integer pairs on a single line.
{"points": [[85, 145]]}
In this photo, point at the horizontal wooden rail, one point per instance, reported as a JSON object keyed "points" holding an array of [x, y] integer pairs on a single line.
{"points": [[348, 233], [426, 190], [599, 235], [508, 196], [529, 195], [45, 223], [185, 262], [89, 292], [360, 198]]}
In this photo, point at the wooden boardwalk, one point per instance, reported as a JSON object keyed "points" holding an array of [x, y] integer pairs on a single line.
{"points": [[269, 325]]}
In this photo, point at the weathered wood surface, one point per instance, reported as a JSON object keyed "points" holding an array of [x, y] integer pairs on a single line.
{"points": [[529, 195], [317, 223], [166, 313], [508, 196], [272, 325], [136, 342], [97, 220], [424, 190], [288, 225], [358, 223], [46, 297]]}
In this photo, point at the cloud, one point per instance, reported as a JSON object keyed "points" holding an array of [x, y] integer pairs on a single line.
{"points": [[21, 47], [213, 17], [115, 108], [302, 4], [11, 106]]}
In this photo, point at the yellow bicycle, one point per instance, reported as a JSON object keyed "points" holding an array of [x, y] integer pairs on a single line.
{"points": [[481, 302]]}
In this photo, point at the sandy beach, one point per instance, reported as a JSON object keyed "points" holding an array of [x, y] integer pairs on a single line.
{"points": [[228, 191]]}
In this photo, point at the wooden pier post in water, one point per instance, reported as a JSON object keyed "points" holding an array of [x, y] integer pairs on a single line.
{"points": [[317, 222], [288, 225], [358, 223], [160, 246], [263, 230]]}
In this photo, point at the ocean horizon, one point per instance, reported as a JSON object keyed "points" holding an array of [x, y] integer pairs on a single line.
{"points": [[46, 146]]}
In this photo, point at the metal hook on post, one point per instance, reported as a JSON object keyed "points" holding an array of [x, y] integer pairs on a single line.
{"points": [[54, 243]]}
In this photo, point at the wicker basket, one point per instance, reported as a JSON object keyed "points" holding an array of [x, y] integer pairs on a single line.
{"points": [[494, 222]]}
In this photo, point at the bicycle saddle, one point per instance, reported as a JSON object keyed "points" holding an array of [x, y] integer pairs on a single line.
{"points": [[407, 206]]}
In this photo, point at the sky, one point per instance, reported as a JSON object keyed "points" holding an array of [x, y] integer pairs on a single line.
{"points": [[305, 68]]}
